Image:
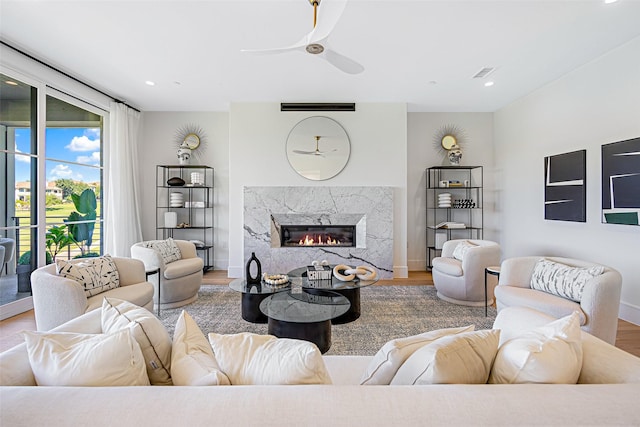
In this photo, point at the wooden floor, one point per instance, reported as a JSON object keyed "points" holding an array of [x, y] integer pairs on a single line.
{"points": [[628, 338]]}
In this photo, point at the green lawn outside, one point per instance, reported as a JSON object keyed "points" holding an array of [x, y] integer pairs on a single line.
{"points": [[56, 215]]}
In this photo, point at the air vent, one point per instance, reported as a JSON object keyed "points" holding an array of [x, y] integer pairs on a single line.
{"points": [[317, 106], [484, 72]]}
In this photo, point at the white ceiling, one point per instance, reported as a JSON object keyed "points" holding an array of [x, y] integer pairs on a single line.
{"points": [[423, 53]]}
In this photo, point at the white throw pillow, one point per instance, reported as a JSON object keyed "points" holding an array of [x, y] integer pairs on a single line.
{"points": [[96, 275], [394, 353], [147, 330], [192, 360], [248, 358], [455, 359], [461, 249], [85, 360], [550, 354], [562, 280], [167, 249]]}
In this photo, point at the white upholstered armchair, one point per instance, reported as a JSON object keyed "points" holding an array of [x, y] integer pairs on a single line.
{"points": [[57, 299], [597, 302], [458, 273], [179, 280]]}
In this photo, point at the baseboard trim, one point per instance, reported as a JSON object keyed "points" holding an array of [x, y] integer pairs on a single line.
{"points": [[400, 272], [16, 307], [629, 313], [235, 272]]}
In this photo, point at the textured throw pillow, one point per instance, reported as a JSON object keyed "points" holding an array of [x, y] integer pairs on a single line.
{"points": [[96, 275], [562, 280], [85, 360], [461, 249], [394, 353], [455, 359], [248, 358], [550, 354], [167, 249], [147, 330], [192, 360]]}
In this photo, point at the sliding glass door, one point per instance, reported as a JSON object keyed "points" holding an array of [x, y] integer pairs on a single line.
{"points": [[50, 184]]}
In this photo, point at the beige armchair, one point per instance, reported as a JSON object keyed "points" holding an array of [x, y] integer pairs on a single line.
{"points": [[462, 281], [598, 306], [179, 280], [57, 299]]}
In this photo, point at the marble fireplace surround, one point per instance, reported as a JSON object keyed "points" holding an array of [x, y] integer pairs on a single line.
{"points": [[370, 208]]}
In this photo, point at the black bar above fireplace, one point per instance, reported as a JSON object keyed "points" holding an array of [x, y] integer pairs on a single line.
{"points": [[318, 235]]}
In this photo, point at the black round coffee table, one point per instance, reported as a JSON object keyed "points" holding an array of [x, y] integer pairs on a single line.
{"points": [[302, 315], [349, 289], [252, 296]]}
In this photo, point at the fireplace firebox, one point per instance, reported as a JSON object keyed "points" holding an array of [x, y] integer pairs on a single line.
{"points": [[318, 235]]}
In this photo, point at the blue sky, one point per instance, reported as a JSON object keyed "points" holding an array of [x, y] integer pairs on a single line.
{"points": [[79, 145]]}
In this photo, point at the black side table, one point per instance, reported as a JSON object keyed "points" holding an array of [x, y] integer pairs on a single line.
{"points": [[494, 271], [151, 272]]}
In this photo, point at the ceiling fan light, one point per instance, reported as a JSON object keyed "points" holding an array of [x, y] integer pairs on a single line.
{"points": [[315, 48]]}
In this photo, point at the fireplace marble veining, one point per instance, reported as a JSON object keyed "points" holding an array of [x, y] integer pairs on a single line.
{"points": [[369, 208]]}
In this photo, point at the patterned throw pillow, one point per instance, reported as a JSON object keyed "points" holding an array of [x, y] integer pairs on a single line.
{"points": [[167, 249], [460, 251], [96, 275], [562, 280]]}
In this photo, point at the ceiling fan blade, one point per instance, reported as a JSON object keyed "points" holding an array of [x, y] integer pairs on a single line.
{"points": [[341, 62], [304, 152], [329, 13]]}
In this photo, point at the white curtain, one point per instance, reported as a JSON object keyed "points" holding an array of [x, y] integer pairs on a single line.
{"points": [[122, 213]]}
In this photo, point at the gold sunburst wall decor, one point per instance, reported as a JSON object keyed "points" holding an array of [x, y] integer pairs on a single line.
{"points": [[449, 137], [194, 138]]}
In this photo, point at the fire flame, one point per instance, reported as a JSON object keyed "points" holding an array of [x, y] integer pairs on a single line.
{"points": [[317, 240]]}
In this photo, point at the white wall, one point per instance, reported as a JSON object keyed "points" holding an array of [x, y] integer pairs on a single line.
{"points": [[422, 153], [258, 134], [591, 106], [159, 147]]}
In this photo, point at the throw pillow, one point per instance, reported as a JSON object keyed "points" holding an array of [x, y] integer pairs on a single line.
{"points": [[96, 275], [167, 249], [248, 358], [85, 360], [562, 280], [147, 330], [192, 360], [464, 358], [550, 354], [461, 249], [394, 353]]}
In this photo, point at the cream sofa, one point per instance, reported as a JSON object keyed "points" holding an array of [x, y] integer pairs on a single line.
{"points": [[607, 395], [598, 306], [57, 299], [179, 280]]}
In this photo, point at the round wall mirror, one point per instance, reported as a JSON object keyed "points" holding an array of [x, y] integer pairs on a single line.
{"points": [[318, 148]]}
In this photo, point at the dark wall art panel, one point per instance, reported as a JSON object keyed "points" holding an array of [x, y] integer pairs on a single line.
{"points": [[565, 186], [621, 182]]}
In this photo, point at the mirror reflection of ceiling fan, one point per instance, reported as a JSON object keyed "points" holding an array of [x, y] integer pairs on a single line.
{"points": [[315, 43], [317, 151]]}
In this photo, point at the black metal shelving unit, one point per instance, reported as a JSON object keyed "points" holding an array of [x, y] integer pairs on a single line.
{"points": [[464, 183], [198, 217]]}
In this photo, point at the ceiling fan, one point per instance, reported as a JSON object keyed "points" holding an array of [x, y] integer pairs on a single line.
{"points": [[317, 151], [315, 43]]}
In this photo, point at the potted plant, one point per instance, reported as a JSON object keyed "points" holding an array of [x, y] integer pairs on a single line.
{"points": [[82, 232], [56, 240]]}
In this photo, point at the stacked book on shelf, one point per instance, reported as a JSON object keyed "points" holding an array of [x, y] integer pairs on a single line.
{"points": [[449, 224]]}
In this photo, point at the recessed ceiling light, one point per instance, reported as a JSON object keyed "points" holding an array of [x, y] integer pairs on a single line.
{"points": [[150, 83], [487, 84], [609, 1], [11, 82]]}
